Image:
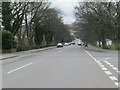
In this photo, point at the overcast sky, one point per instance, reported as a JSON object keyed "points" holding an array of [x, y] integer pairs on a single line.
{"points": [[68, 10]]}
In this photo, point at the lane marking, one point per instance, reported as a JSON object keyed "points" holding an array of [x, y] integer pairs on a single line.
{"points": [[107, 63], [112, 66], [115, 68], [117, 84], [108, 72], [99, 63], [19, 68], [113, 78], [92, 56], [104, 68]]}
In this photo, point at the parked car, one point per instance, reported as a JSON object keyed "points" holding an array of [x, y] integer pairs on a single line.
{"points": [[66, 44], [79, 44], [73, 43], [69, 43], [59, 45]]}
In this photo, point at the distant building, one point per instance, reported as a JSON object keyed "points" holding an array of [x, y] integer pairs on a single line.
{"points": [[108, 42]]}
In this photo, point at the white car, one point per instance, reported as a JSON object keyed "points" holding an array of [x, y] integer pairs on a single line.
{"points": [[59, 45], [66, 44]]}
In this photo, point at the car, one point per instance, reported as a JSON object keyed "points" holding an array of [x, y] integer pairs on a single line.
{"points": [[66, 44], [79, 44], [59, 45], [73, 43], [69, 43]]}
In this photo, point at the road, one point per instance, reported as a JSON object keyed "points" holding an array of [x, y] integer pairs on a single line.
{"points": [[67, 67]]}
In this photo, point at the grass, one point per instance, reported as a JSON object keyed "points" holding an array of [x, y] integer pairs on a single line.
{"points": [[110, 47], [98, 46]]}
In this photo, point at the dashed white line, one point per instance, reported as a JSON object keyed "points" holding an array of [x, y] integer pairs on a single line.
{"points": [[115, 68], [108, 72], [117, 84], [19, 68], [104, 68], [111, 65], [99, 63], [106, 61], [113, 78]]}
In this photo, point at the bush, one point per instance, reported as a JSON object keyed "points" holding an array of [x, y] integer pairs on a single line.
{"points": [[8, 40], [24, 48]]}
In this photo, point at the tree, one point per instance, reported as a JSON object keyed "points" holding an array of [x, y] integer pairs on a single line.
{"points": [[97, 21]]}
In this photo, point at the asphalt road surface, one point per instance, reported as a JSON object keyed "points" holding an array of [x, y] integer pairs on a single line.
{"points": [[67, 67]]}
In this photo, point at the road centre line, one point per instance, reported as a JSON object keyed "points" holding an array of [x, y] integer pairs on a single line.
{"points": [[19, 68]]}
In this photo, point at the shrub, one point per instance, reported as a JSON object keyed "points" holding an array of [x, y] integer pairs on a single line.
{"points": [[8, 40], [25, 48]]}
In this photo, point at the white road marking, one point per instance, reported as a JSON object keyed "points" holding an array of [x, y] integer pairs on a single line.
{"points": [[108, 72], [19, 68], [111, 65], [117, 84], [118, 72], [104, 68], [99, 63], [91, 56], [106, 61], [115, 68], [113, 78]]}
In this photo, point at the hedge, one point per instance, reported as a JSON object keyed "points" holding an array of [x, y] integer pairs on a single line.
{"points": [[8, 40]]}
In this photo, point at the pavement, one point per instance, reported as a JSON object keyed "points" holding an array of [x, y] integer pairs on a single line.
{"points": [[67, 67], [5, 56]]}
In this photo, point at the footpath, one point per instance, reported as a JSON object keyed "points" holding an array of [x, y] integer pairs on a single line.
{"points": [[22, 53]]}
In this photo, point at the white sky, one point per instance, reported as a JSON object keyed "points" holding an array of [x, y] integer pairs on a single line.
{"points": [[67, 9]]}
